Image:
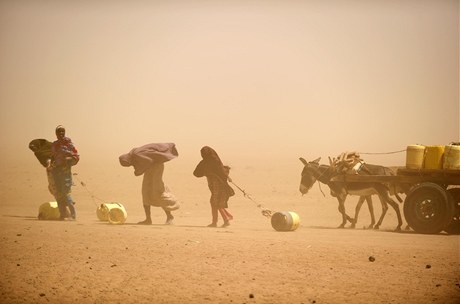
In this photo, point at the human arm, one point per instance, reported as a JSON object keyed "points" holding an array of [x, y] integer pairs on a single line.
{"points": [[199, 170], [227, 173]]}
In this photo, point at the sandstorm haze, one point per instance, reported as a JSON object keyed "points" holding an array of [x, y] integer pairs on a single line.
{"points": [[262, 82], [268, 80]]}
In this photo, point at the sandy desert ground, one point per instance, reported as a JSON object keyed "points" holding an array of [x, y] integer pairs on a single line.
{"points": [[88, 261]]}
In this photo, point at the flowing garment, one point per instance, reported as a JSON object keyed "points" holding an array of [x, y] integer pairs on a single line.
{"points": [[148, 160], [154, 191], [217, 175]]}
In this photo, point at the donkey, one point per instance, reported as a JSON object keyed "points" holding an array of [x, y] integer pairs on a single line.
{"points": [[313, 171]]}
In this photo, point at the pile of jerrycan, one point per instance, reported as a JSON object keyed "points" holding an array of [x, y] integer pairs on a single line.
{"points": [[433, 157]]}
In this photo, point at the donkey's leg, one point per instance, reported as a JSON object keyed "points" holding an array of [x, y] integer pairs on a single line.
{"points": [[358, 207], [384, 211], [396, 208], [370, 205], [342, 211], [345, 217]]}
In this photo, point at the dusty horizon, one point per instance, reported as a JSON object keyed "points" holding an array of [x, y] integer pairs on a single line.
{"points": [[257, 81], [263, 83]]}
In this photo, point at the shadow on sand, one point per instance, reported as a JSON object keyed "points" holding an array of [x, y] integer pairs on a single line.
{"points": [[403, 231], [26, 217]]}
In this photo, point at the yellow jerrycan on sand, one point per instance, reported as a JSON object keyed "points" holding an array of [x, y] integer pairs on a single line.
{"points": [[285, 221], [49, 211], [114, 213]]}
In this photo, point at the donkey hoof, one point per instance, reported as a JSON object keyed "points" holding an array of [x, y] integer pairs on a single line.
{"points": [[376, 227]]}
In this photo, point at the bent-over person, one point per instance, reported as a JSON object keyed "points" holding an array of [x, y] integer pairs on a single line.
{"points": [[148, 161]]}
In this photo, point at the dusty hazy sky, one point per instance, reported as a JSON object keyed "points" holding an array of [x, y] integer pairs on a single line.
{"points": [[270, 79]]}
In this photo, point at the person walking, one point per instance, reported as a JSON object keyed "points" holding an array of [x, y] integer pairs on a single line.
{"points": [[148, 160], [64, 155], [217, 176]]}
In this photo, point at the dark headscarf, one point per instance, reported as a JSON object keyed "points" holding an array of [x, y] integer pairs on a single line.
{"points": [[211, 165], [42, 150], [142, 158]]}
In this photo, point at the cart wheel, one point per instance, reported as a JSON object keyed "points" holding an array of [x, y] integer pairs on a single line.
{"points": [[427, 208], [454, 226]]}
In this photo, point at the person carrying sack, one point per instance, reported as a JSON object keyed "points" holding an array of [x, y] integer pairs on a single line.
{"points": [[148, 160]]}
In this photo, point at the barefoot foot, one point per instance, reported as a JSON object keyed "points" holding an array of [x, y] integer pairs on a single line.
{"points": [[169, 220]]}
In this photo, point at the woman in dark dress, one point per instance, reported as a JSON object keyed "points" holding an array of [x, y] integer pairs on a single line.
{"points": [[217, 176]]}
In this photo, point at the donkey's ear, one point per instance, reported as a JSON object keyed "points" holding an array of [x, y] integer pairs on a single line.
{"points": [[304, 162], [316, 161]]}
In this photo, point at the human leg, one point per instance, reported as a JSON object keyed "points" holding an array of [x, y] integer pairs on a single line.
{"points": [[61, 191], [66, 193], [62, 206], [73, 213], [169, 217], [214, 213], [226, 216], [148, 218], [214, 210], [69, 203]]}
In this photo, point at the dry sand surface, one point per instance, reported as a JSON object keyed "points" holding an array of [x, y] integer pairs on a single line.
{"points": [[88, 261]]}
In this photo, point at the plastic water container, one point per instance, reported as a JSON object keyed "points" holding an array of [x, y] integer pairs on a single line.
{"points": [[102, 211], [119, 214], [414, 156], [285, 221], [452, 157], [433, 157], [50, 211]]}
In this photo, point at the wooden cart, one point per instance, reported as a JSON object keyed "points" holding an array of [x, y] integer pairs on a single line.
{"points": [[432, 202]]}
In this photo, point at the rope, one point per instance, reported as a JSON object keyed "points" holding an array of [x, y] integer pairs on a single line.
{"points": [[376, 153], [93, 197], [319, 184], [265, 212], [317, 179]]}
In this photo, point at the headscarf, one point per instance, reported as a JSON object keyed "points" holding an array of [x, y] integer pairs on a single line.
{"points": [[143, 157], [60, 127], [211, 164]]}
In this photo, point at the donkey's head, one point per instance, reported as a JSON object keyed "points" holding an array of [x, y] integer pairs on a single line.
{"points": [[308, 178]]}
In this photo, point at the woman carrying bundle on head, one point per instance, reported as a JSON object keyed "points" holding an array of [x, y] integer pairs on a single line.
{"points": [[217, 176]]}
